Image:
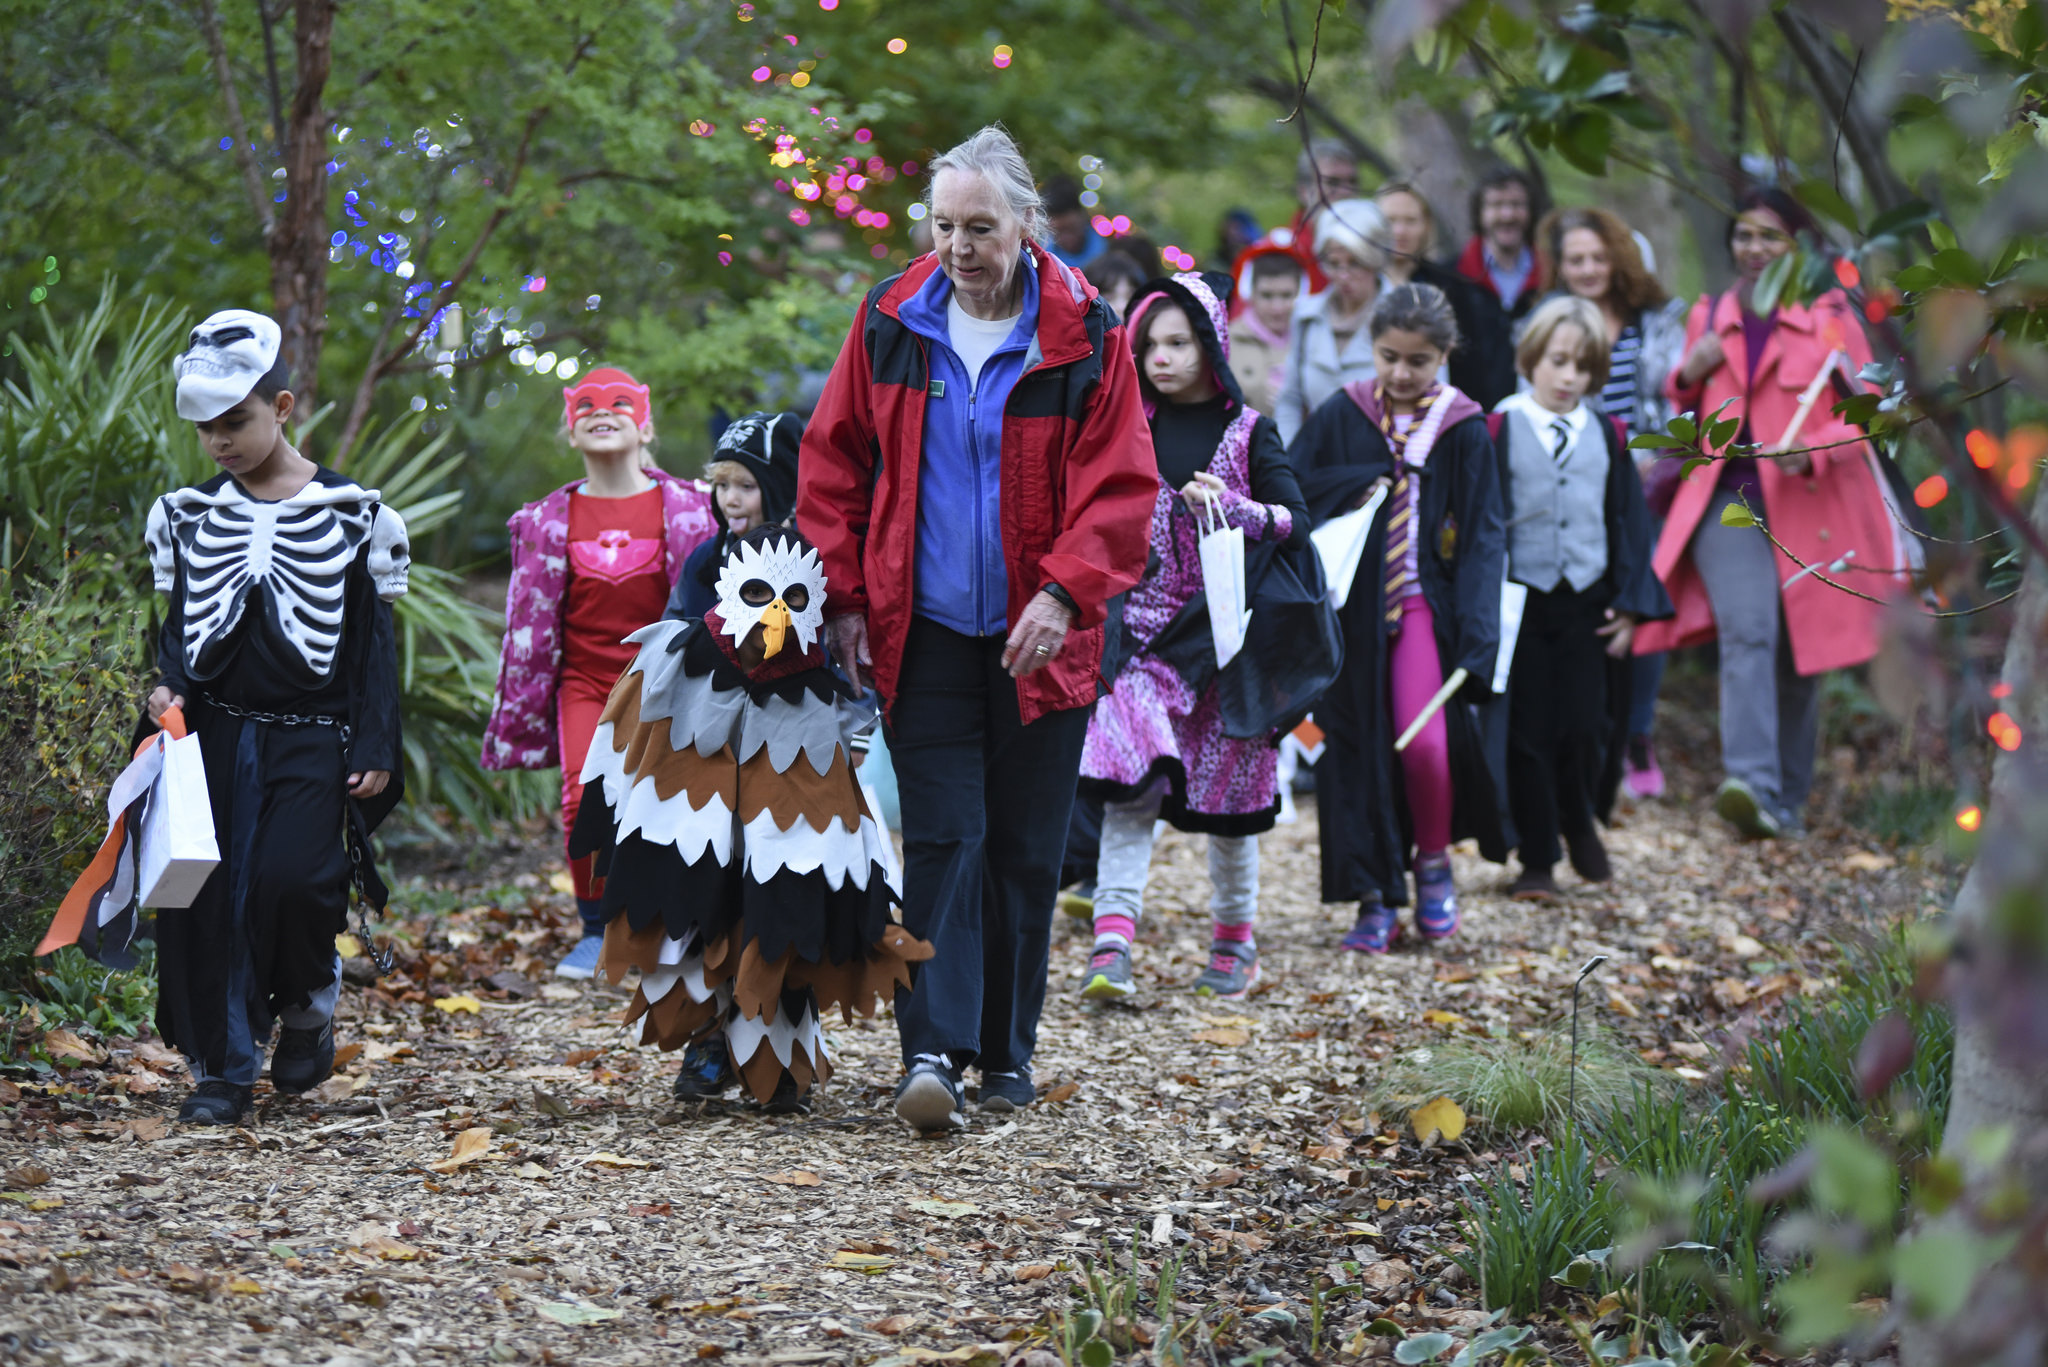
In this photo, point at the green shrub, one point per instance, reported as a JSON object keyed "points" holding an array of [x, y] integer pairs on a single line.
{"points": [[1519, 1082], [92, 439], [1518, 1239]]}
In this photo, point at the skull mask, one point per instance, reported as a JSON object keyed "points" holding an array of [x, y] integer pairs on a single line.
{"points": [[228, 354], [776, 582]]}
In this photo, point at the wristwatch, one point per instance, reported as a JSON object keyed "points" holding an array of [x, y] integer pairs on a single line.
{"points": [[1063, 598]]}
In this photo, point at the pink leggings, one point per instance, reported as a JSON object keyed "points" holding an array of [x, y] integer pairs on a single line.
{"points": [[1414, 674]]}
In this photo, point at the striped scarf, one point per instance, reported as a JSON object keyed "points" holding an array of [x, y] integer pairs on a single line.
{"points": [[1399, 577]]}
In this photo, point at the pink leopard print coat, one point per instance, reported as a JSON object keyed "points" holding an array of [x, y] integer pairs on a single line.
{"points": [[522, 733]]}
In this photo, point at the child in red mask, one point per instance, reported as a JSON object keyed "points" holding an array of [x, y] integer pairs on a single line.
{"points": [[592, 562]]}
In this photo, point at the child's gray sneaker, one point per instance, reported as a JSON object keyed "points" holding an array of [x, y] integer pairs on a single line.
{"points": [[1233, 968], [1108, 976]]}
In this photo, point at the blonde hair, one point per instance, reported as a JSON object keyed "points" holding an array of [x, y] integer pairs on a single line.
{"points": [[715, 470], [1566, 310]]}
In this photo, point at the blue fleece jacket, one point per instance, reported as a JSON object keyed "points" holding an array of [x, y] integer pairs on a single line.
{"points": [[962, 576]]}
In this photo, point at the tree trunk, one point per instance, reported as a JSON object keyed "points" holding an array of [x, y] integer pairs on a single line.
{"points": [[298, 243], [2000, 1076]]}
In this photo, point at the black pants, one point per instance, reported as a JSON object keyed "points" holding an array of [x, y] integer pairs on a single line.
{"points": [[1557, 719], [986, 801]]}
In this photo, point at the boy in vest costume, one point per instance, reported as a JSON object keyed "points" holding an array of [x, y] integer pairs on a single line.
{"points": [[1579, 538]]}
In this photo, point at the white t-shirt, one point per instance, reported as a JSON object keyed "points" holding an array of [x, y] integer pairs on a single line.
{"points": [[973, 339]]}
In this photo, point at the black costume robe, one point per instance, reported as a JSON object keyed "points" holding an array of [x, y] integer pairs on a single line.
{"points": [[1361, 803], [260, 935]]}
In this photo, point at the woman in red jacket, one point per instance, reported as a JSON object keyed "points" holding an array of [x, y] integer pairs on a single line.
{"points": [[978, 479], [1779, 624]]}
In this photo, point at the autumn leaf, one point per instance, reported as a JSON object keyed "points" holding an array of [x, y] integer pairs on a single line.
{"points": [[371, 1238], [562, 1312], [1065, 1092], [578, 1057], [1228, 1036], [1864, 861], [531, 1169], [62, 1045], [147, 1129], [26, 1176], [796, 1177], [861, 1262], [613, 1160], [140, 1083], [244, 1286], [346, 1054], [946, 1210], [1439, 1120], [1223, 1177], [1445, 1018], [893, 1324], [460, 1002], [188, 1280], [156, 1056], [470, 1145], [348, 946], [1232, 1020], [648, 1212], [547, 1103], [1033, 1272]]}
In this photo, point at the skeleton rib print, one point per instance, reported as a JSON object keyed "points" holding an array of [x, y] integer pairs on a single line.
{"points": [[298, 551]]}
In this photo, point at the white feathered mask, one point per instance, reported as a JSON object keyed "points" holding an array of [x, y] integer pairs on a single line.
{"points": [[777, 582]]}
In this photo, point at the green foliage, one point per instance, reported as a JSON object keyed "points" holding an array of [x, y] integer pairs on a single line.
{"points": [[1517, 1083], [93, 440], [1674, 1232], [69, 990]]}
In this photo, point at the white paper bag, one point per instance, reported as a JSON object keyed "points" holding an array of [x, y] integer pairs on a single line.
{"points": [[1222, 550], [178, 850], [1514, 600], [1340, 543]]}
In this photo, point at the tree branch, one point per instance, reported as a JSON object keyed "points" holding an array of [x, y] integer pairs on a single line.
{"points": [[270, 65], [1834, 80], [238, 127]]}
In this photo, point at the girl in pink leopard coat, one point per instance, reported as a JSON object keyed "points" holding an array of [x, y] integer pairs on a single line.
{"points": [[592, 563], [1156, 747]]}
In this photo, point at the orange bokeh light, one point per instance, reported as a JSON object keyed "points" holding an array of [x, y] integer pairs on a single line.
{"points": [[1846, 272], [1930, 491], [1970, 818], [2004, 731], [1984, 448]]}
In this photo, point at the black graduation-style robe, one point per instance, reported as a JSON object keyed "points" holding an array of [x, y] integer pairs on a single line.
{"points": [[1361, 804]]}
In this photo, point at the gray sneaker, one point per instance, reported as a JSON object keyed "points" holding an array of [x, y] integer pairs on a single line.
{"points": [[1108, 976], [1233, 968], [1737, 804], [929, 1098]]}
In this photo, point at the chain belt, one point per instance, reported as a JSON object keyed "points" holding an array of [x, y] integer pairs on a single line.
{"points": [[278, 718]]}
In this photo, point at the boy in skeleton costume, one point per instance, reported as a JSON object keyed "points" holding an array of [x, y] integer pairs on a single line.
{"points": [[744, 875], [278, 646]]}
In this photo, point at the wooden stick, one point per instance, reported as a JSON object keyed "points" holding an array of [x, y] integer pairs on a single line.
{"points": [[1436, 704], [1807, 401]]}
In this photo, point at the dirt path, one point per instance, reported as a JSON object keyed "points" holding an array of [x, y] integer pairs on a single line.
{"points": [[599, 1223]]}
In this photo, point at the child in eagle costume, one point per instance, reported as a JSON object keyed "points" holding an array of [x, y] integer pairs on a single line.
{"points": [[745, 876]]}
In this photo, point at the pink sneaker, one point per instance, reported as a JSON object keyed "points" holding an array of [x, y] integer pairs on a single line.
{"points": [[1645, 779]]}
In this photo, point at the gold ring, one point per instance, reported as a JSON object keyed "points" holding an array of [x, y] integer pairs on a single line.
{"points": [[1044, 650]]}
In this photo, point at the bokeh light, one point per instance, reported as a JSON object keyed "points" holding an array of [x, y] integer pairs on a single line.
{"points": [[1931, 491], [898, 46], [1002, 55], [1970, 818]]}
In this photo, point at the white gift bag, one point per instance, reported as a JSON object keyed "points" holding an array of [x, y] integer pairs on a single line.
{"points": [[1514, 600], [1340, 543], [178, 851], [1222, 550]]}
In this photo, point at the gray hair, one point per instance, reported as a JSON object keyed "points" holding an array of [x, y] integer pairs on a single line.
{"points": [[1321, 150], [992, 154], [1356, 225]]}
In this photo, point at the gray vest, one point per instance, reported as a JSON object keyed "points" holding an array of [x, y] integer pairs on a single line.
{"points": [[1557, 524]]}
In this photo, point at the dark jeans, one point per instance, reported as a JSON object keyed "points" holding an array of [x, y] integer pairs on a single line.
{"points": [[986, 801], [1557, 719]]}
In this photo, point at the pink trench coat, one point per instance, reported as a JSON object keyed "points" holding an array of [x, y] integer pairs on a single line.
{"points": [[1819, 517]]}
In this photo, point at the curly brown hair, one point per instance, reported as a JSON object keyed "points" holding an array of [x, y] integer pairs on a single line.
{"points": [[1631, 288]]}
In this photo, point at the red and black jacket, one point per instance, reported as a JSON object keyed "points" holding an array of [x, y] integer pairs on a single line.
{"points": [[1078, 475]]}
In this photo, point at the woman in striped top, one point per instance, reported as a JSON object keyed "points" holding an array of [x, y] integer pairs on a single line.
{"points": [[1596, 258]]}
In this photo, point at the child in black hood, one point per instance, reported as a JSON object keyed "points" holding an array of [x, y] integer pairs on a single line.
{"points": [[752, 473]]}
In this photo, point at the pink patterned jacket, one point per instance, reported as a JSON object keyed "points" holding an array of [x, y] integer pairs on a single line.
{"points": [[522, 733]]}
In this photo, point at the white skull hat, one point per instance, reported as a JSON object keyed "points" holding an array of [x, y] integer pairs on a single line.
{"points": [[777, 582], [227, 355]]}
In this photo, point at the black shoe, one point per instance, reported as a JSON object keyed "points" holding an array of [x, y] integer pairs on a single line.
{"points": [[216, 1103], [788, 1098], [707, 1072], [303, 1059], [1007, 1091], [1589, 856], [1533, 884], [929, 1098]]}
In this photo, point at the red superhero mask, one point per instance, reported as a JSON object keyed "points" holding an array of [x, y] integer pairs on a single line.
{"points": [[606, 388]]}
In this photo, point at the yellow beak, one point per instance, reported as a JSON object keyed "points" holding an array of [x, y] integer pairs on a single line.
{"points": [[774, 628]]}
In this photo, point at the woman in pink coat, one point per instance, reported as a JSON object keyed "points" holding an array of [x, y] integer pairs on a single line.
{"points": [[1824, 501]]}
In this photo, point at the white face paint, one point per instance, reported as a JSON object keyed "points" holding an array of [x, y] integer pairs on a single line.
{"points": [[227, 355], [781, 584]]}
